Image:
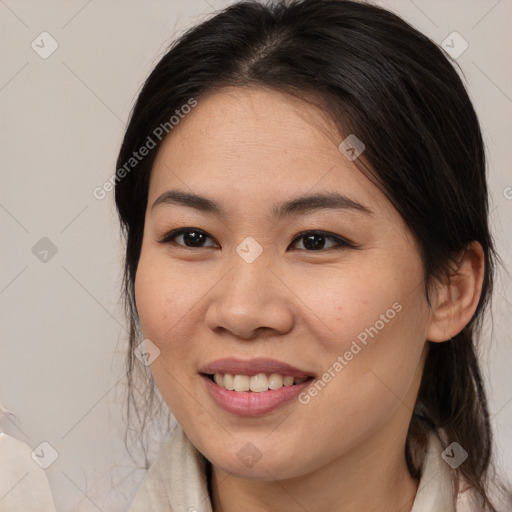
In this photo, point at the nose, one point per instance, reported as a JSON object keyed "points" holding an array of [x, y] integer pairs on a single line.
{"points": [[252, 299]]}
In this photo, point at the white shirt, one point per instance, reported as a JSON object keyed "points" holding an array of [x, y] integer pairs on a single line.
{"points": [[23, 483], [177, 480]]}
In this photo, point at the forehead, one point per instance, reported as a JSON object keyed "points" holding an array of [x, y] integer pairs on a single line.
{"points": [[252, 145]]}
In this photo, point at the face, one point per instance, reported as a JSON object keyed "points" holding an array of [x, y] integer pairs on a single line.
{"points": [[270, 285]]}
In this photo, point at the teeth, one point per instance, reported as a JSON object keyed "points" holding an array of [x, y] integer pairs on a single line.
{"points": [[241, 383], [275, 381], [228, 381], [259, 383], [255, 383], [288, 381], [219, 379]]}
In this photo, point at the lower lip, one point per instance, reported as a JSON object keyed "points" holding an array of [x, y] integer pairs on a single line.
{"points": [[249, 403]]}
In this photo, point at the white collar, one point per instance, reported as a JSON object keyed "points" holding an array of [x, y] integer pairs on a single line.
{"points": [[435, 491], [177, 480]]}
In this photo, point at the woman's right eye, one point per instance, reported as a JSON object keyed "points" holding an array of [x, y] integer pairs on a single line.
{"points": [[190, 237]]}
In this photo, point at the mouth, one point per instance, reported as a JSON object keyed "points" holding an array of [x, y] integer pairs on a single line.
{"points": [[254, 387], [258, 383]]}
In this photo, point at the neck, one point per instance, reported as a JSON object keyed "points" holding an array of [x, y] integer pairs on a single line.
{"points": [[374, 477]]}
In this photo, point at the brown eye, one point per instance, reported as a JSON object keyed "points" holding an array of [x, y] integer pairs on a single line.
{"points": [[190, 237], [316, 240]]}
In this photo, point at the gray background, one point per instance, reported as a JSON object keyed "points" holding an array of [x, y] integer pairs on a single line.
{"points": [[62, 120]]}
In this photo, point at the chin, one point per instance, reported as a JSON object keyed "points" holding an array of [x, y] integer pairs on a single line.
{"points": [[251, 463]]}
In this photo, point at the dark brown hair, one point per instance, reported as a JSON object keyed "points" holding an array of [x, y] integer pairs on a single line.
{"points": [[381, 79]]}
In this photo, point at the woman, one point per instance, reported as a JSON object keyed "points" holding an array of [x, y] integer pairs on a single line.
{"points": [[302, 189]]}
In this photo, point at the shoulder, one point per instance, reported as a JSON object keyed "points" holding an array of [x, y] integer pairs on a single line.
{"points": [[176, 480], [23, 485]]}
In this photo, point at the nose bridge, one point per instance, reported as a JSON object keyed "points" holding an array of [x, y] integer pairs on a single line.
{"points": [[249, 283], [249, 296]]}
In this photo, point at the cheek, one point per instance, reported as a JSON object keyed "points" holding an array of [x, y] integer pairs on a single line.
{"points": [[154, 301], [363, 302], [170, 300], [377, 323], [163, 296]]}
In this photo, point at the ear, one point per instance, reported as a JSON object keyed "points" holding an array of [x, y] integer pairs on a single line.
{"points": [[456, 300]]}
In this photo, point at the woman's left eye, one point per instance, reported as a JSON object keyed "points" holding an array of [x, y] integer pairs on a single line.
{"points": [[312, 240], [316, 240]]}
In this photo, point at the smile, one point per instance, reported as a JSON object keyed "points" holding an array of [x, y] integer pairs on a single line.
{"points": [[250, 403], [256, 383]]}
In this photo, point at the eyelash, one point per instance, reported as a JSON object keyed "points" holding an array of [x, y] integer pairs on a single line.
{"points": [[341, 242]]}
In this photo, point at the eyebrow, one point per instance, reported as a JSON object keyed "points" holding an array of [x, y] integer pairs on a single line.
{"points": [[300, 205]]}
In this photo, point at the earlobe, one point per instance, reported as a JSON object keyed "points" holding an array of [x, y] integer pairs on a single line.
{"points": [[457, 299]]}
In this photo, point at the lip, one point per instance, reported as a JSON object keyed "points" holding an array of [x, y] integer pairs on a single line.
{"points": [[254, 366], [250, 404]]}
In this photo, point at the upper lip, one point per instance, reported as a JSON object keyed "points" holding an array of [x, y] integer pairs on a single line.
{"points": [[251, 367]]}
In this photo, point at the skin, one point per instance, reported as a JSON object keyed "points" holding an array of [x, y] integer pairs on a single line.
{"points": [[248, 149]]}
